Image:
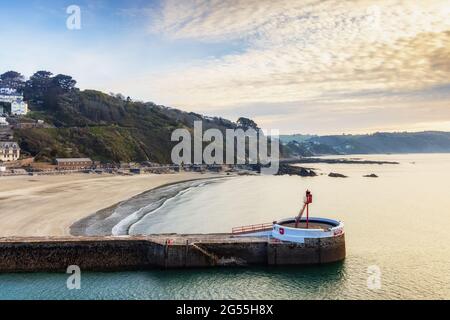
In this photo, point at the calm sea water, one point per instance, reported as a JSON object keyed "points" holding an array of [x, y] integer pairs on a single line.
{"points": [[397, 223]]}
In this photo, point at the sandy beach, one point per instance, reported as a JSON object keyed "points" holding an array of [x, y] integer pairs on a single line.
{"points": [[49, 205]]}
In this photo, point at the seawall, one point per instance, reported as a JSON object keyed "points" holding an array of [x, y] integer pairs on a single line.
{"points": [[162, 251]]}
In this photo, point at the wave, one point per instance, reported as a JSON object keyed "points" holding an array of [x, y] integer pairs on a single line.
{"points": [[118, 219], [123, 227]]}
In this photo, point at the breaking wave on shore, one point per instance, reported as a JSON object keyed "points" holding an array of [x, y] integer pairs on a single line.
{"points": [[119, 219]]}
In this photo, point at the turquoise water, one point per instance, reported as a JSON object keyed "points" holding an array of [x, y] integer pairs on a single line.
{"points": [[325, 282], [397, 223], [200, 284]]}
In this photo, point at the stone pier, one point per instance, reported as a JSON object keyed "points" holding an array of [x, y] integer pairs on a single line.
{"points": [[162, 251]]}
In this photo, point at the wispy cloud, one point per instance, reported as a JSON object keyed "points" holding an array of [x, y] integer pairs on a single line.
{"points": [[337, 64], [305, 51]]}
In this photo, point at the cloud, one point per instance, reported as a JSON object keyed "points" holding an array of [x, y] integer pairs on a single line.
{"points": [[336, 63], [304, 51]]}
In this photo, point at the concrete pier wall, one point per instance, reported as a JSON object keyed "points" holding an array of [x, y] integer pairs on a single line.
{"points": [[161, 251]]}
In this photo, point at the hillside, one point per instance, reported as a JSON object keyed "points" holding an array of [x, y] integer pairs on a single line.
{"points": [[106, 128], [113, 128], [402, 142]]}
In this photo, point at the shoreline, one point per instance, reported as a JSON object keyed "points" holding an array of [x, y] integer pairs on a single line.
{"points": [[107, 222], [313, 160], [36, 206]]}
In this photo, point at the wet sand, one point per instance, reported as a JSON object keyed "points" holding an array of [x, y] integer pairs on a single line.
{"points": [[119, 218], [49, 205]]}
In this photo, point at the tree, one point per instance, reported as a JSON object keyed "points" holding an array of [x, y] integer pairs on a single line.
{"points": [[44, 89], [63, 82], [37, 86], [246, 123], [13, 80], [40, 80], [11, 75], [120, 96]]}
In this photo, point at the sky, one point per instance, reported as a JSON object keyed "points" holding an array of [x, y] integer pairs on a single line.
{"points": [[300, 66]]}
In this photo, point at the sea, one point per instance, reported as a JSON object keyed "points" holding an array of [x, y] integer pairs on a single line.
{"points": [[397, 236]]}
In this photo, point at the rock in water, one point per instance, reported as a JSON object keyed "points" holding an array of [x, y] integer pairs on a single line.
{"points": [[297, 171], [337, 175], [372, 175], [307, 172]]}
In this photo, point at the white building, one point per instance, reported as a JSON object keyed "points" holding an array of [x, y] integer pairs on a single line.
{"points": [[3, 121], [8, 91], [9, 151], [18, 106]]}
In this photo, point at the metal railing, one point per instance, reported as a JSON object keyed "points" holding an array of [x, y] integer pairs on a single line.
{"points": [[252, 228]]}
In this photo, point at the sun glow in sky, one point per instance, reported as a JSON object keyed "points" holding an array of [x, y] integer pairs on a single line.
{"points": [[300, 66]]}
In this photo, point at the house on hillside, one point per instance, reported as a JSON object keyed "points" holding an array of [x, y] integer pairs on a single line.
{"points": [[3, 121], [9, 151], [15, 100], [19, 107]]}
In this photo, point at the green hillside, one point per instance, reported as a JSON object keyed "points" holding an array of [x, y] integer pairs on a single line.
{"points": [[105, 127]]}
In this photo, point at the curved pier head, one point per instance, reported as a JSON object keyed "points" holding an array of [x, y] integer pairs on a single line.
{"points": [[321, 241], [285, 230], [325, 236]]}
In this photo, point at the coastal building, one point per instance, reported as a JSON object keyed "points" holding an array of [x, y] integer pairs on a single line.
{"points": [[6, 133], [24, 123], [7, 91], [19, 107], [73, 163], [9, 151], [15, 100]]}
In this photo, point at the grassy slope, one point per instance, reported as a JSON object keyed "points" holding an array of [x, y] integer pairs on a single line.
{"points": [[102, 127]]}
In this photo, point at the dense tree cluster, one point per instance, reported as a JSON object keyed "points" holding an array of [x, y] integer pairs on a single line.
{"points": [[41, 86], [246, 123], [13, 80], [44, 87]]}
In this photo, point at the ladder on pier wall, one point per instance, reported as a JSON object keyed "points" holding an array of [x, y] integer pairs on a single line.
{"points": [[213, 258]]}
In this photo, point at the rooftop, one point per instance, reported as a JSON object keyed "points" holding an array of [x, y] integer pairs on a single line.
{"points": [[73, 160], [8, 144]]}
